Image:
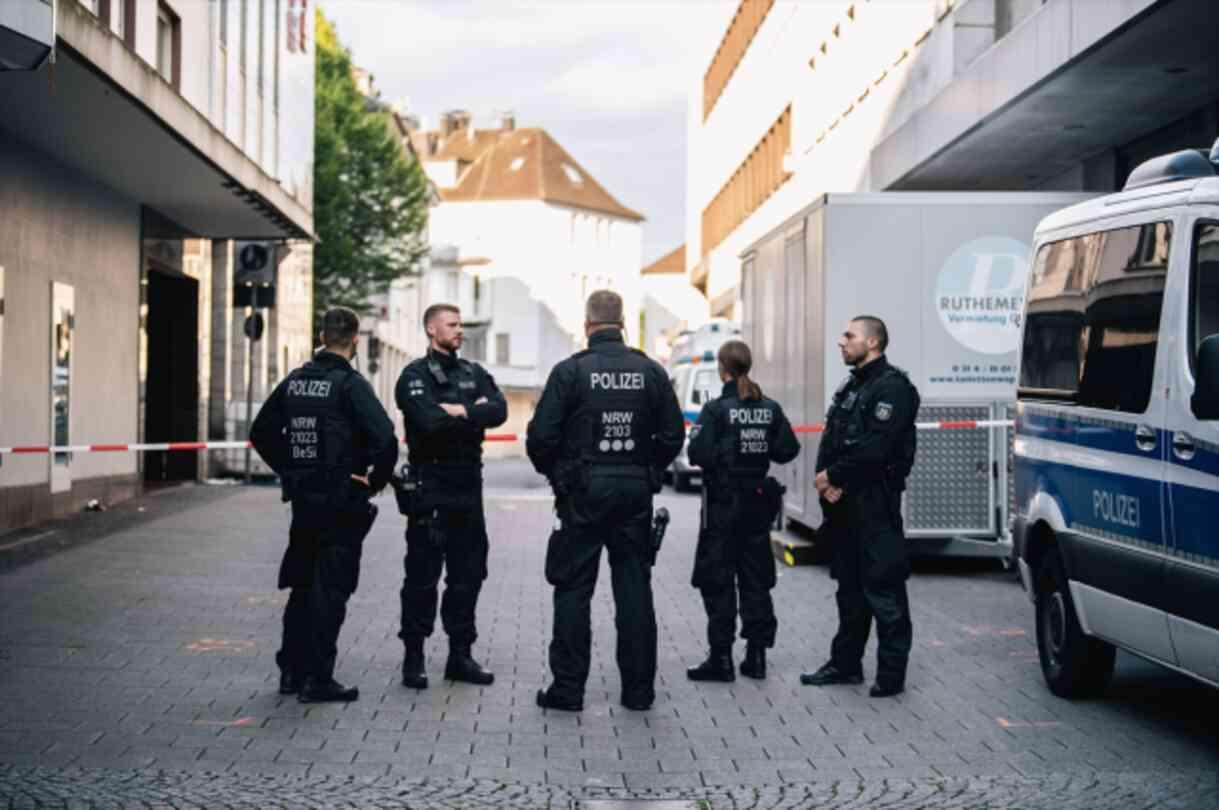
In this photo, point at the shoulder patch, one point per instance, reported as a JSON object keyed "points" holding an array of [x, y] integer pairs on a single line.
{"points": [[883, 411]]}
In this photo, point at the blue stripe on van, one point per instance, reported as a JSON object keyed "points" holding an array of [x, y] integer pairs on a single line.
{"points": [[1088, 499], [1110, 435]]}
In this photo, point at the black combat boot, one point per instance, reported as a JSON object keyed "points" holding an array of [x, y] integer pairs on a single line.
{"points": [[717, 667], [290, 681], [315, 690], [754, 665], [414, 676], [462, 667]]}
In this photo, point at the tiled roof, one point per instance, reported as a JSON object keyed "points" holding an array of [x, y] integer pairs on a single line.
{"points": [[519, 164], [672, 262]]}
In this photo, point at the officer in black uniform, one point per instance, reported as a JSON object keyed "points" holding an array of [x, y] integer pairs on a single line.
{"points": [[608, 422], [447, 404], [321, 430], [737, 436], [865, 456]]}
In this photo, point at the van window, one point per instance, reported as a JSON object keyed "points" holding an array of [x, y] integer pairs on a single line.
{"points": [[1204, 292], [705, 381], [1094, 317]]}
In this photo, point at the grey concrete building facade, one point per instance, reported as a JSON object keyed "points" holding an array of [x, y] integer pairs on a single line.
{"points": [[156, 133]]}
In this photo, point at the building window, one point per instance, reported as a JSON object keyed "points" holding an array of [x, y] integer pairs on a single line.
{"points": [[758, 176], [224, 23], [502, 354], [169, 45], [745, 24]]}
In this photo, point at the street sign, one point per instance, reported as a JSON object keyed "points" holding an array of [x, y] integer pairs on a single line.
{"points": [[254, 325], [255, 263], [243, 296]]}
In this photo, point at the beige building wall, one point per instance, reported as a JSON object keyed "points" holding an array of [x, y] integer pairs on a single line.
{"points": [[59, 227]]}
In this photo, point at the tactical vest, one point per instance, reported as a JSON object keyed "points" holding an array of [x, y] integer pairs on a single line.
{"points": [[613, 420], [847, 420], [745, 435], [320, 435]]}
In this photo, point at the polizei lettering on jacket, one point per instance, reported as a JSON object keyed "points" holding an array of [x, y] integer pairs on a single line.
{"points": [[749, 416], [616, 380], [319, 389]]}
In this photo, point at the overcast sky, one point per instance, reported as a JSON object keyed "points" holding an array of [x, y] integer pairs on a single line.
{"points": [[607, 78]]}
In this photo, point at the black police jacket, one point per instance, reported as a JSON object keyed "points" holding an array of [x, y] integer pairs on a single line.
{"points": [[609, 405], [740, 438], [869, 434], [321, 425], [433, 437]]}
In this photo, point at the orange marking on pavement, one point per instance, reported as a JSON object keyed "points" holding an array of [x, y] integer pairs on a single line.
{"points": [[1005, 723], [219, 644], [240, 722]]}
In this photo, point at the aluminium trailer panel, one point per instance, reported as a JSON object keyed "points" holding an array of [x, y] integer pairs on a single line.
{"points": [[908, 258]]}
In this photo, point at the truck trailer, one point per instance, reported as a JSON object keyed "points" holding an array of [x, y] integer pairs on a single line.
{"points": [[946, 271]]}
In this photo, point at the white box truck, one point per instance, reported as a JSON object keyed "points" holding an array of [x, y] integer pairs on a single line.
{"points": [[946, 271]]}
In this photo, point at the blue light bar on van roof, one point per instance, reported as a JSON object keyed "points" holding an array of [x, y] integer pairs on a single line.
{"points": [[1185, 165]]}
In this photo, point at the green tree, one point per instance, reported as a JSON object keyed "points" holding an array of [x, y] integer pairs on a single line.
{"points": [[370, 199]]}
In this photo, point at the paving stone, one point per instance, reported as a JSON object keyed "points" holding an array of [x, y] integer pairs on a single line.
{"points": [[159, 724]]}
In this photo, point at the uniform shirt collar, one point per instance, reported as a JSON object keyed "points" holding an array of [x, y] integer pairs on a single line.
{"points": [[730, 389]]}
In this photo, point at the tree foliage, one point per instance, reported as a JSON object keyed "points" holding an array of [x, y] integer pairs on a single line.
{"points": [[370, 197]]}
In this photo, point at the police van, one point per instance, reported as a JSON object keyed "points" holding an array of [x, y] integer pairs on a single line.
{"points": [[1116, 453], [696, 380]]}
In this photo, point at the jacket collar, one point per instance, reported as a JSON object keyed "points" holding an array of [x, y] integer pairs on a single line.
{"points": [[605, 336], [325, 357], [870, 371], [446, 361], [730, 389]]}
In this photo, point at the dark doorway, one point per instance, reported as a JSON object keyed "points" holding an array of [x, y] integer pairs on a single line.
{"points": [[171, 393]]}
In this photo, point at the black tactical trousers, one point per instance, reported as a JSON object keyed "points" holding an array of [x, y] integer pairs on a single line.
{"points": [[615, 513], [452, 538], [324, 551], [734, 557], [871, 568]]}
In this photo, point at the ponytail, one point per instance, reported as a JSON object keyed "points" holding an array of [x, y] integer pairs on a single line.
{"points": [[736, 360], [747, 388]]}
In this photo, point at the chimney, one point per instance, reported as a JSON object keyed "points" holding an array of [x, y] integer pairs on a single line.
{"points": [[507, 121], [454, 120]]}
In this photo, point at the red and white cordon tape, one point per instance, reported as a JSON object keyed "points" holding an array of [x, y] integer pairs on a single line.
{"points": [[168, 446], [951, 424]]}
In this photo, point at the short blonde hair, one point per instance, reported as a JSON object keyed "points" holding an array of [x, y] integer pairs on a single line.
{"points": [[604, 307]]}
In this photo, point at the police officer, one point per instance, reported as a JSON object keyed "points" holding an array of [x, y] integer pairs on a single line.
{"points": [[608, 422], [447, 404], [321, 430], [865, 456], [736, 438]]}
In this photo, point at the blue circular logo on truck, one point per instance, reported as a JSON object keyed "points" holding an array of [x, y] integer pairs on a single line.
{"points": [[979, 293]]}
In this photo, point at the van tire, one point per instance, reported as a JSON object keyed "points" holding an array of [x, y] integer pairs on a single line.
{"points": [[1074, 664]]}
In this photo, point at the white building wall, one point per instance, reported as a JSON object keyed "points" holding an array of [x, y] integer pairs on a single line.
{"points": [[544, 261]]}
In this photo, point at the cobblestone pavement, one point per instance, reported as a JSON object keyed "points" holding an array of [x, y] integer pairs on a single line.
{"points": [[138, 670]]}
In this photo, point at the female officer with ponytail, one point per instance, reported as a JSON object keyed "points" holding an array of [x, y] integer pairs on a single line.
{"points": [[737, 436]]}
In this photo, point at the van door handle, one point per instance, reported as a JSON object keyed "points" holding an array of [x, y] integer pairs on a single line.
{"points": [[1183, 445], [1144, 438]]}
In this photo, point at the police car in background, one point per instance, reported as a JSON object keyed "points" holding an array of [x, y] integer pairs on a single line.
{"points": [[695, 377], [1116, 456]]}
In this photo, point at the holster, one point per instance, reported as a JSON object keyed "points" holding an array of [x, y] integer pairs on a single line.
{"points": [[406, 490], [772, 494]]}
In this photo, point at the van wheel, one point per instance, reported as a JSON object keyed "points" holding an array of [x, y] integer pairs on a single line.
{"points": [[1074, 664]]}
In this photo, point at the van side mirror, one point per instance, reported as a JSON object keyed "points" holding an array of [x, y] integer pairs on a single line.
{"points": [[1205, 401]]}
